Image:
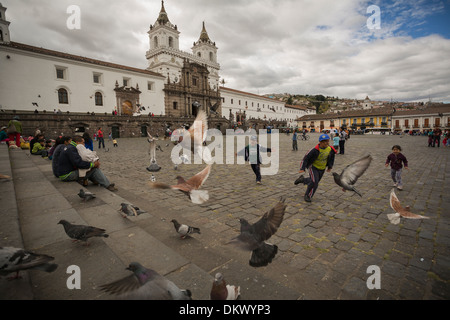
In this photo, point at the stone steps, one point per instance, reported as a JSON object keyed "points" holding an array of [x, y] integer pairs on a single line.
{"points": [[37, 200]]}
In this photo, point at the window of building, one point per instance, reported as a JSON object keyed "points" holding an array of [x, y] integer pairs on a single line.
{"points": [[199, 54], [61, 73], [63, 97], [426, 123], [211, 56], [231, 101], [170, 42], [97, 78], [126, 82], [175, 105], [194, 81], [1, 35], [155, 41], [98, 99], [150, 85]]}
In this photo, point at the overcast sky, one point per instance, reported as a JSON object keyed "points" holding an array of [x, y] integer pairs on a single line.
{"points": [[268, 46]]}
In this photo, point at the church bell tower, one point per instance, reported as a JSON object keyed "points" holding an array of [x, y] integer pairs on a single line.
{"points": [[4, 26]]}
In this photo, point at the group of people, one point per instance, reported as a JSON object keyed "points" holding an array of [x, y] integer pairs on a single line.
{"points": [[434, 138], [12, 132], [73, 158], [321, 158]]}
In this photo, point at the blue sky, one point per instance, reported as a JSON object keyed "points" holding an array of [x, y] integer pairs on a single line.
{"points": [[268, 46]]}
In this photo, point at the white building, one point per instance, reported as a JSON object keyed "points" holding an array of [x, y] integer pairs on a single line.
{"points": [[166, 58], [34, 78]]}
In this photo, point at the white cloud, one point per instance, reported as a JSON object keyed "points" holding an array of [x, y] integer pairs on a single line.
{"points": [[265, 46]]}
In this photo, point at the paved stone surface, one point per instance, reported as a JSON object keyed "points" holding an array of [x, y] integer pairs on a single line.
{"points": [[325, 247]]}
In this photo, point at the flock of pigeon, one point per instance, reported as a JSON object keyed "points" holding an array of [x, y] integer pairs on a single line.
{"points": [[146, 283]]}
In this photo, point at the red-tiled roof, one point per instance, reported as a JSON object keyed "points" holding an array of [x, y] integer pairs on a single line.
{"points": [[249, 94], [26, 47]]}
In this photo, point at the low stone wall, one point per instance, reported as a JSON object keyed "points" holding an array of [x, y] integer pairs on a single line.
{"points": [[124, 126]]}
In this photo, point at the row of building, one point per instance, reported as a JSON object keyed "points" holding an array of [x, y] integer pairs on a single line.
{"points": [[386, 118]]}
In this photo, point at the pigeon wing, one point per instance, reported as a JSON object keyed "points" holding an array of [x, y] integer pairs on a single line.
{"points": [[200, 125], [200, 178], [15, 259], [395, 203], [124, 285], [353, 171], [270, 222]]}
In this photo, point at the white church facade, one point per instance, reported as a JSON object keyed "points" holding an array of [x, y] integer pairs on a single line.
{"points": [[34, 78]]}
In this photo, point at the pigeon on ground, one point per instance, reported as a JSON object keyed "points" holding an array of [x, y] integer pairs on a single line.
{"points": [[17, 259], [86, 195], [145, 284], [82, 233], [130, 210], [189, 187], [351, 173], [184, 229], [222, 291], [253, 236], [400, 211]]}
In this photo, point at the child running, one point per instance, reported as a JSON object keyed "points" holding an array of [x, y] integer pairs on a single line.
{"points": [[396, 159], [316, 161]]}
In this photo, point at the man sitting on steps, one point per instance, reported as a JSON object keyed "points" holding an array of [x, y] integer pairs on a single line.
{"points": [[69, 161]]}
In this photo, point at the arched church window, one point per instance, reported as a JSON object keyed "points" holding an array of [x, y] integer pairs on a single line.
{"points": [[98, 99], [199, 54], [211, 56], [63, 97], [170, 42]]}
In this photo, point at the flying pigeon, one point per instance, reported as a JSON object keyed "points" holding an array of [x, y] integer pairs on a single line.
{"points": [[213, 108], [189, 187], [82, 233], [130, 210], [253, 236], [197, 133], [351, 173], [17, 259], [86, 195], [145, 284], [222, 291], [400, 211], [184, 229]]}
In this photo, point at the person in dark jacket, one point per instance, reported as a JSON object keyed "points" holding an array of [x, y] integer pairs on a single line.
{"points": [[396, 159], [316, 161], [252, 154], [60, 143], [68, 163]]}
